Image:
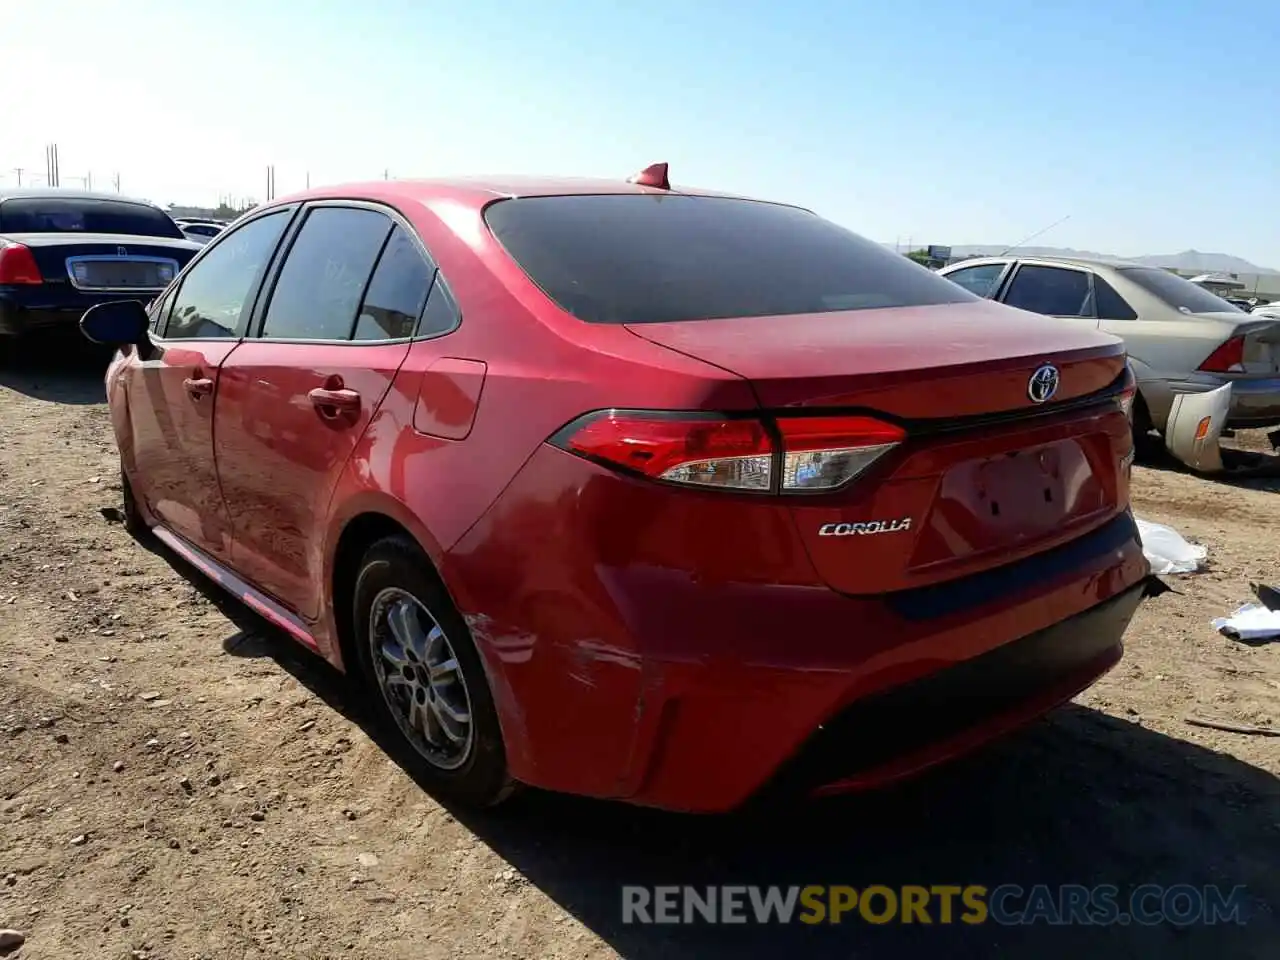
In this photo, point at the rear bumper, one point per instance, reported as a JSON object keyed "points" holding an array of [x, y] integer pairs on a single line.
{"points": [[626, 663], [976, 658], [949, 712], [1254, 402], [37, 312]]}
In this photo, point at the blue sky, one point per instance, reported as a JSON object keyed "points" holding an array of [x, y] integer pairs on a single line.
{"points": [[1154, 126]]}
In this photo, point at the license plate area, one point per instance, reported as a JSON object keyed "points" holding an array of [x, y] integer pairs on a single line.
{"points": [[121, 273], [1011, 500]]}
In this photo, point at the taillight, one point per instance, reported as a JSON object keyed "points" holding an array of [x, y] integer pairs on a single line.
{"points": [[1228, 358], [1129, 392], [17, 265], [821, 453], [791, 454]]}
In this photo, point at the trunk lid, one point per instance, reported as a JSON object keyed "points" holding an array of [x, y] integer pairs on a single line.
{"points": [[985, 475], [1261, 344], [107, 267], [951, 360]]}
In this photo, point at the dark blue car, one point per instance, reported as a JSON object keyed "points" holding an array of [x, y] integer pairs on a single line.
{"points": [[62, 251]]}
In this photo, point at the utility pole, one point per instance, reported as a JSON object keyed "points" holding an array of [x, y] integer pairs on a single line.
{"points": [[386, 174], [18, 171], [308, 179], [271, 182], [88, 180], [116, 181]]}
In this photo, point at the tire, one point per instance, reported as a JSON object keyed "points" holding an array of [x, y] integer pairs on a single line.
{"points": [[134, 524], [396, 584], [1144, 445]]}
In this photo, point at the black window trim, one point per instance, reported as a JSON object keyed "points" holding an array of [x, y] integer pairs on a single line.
{"points": [[1001, 279], [1090, 299], [268, 287], [168, 297]]}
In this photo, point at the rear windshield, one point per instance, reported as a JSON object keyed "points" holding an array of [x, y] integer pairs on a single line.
{"points": [[1177, 292], [649, 258], [70, 215]]}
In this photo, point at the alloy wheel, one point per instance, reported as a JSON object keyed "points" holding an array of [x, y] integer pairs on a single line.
{"points": [[420, 678]]}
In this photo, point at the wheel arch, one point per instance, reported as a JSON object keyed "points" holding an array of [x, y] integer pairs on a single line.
{"points": [[360, 531]]}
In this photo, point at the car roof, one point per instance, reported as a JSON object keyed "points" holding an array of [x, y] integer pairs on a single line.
{"points": [[34, 193], [1112, 262], [480, 191]]}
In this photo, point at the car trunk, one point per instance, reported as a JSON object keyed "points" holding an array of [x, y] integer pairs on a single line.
{"points": [[985, 475], [1261, 342], [113, 262]]}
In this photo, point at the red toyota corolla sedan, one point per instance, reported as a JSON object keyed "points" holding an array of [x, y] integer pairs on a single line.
{"points": [[633, 491]]}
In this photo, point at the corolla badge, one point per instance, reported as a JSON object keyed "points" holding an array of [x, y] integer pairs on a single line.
{"points": [[863, 529], [1043, 383]]}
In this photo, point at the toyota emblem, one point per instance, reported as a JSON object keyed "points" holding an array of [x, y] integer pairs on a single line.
{"points": [[1043, 383]]}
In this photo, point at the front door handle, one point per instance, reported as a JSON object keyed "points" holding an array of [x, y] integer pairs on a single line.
{"points": [[332, 403], [198, 387]]}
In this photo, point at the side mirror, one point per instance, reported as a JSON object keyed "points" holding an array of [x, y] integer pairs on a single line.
{"points": [[115, 324]]}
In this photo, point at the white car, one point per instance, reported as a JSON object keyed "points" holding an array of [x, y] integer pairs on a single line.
{"points": [[199, 231], [1181, 338]]}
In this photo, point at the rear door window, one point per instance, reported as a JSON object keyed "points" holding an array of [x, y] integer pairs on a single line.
{"points": [[982, 280], [1109, 303], [1054, 291], [650, 258], [397, 293], [325, 274]]}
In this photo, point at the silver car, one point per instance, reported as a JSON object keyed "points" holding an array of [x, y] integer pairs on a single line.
{"points": [[1180, 337]]}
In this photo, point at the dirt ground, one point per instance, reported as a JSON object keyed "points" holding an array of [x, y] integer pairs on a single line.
{"points": [[178, 781]]}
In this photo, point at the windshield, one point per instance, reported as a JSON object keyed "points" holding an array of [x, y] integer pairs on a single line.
{"points": [[649, 258], [1177, 292], [84, 215]]}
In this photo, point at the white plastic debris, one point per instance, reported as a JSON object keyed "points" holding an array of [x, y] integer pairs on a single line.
{"points": [[1253, 621], [1167, 551]]}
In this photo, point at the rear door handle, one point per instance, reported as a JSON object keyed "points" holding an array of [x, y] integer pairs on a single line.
{"points": [[198, 387], [331, 403]]}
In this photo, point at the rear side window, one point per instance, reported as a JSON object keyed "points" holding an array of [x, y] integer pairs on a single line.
{"points": [[325, 274], [649, 258], [981, 280], [397, 293], [441, 315], [1110, 305], [88, 215], [1176, 292], [213, 293], [1050, 290]]}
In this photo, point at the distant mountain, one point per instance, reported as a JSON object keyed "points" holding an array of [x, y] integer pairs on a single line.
{"points": [[1194, 261], [1189, 261]]}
